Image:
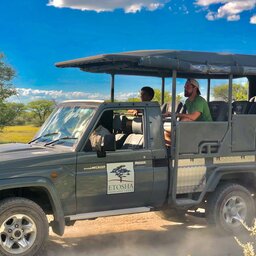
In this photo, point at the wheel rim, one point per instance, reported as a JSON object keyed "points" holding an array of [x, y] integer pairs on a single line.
{"points": [[235, 211], [17, 233]]}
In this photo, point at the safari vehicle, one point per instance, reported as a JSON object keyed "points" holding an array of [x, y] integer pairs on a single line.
{"points": [[210, 165]]}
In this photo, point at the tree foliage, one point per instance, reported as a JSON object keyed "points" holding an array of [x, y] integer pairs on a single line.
{"points": [[40, 109], [6, 90], [7, 73], [158, 96], [239, 92], [16, 113]]}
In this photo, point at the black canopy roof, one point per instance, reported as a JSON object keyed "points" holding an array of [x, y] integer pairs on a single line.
{"points": [[161, 63]]}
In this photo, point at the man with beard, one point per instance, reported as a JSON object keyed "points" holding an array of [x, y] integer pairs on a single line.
{"points": [[197, 107]]}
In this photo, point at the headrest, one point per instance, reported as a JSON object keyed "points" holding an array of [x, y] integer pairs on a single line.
{"points": [[117, 123], [219, 110], [137, 125]]}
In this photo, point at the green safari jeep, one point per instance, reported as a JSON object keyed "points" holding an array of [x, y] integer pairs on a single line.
{"points": [[210, 165]]}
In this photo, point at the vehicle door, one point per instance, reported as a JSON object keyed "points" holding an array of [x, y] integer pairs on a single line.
{"points": [[121, 179]]}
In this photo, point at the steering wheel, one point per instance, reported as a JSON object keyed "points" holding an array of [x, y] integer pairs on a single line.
{"points": [[252, 99]]}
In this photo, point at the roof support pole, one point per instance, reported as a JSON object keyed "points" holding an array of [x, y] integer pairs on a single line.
{"points": [[230, 82], [208, 89], [174, 139], [112, 87], [173, 115], [163, 90]]}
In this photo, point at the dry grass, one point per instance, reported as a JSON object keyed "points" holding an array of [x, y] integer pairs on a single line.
{"points": [[21, 134]]}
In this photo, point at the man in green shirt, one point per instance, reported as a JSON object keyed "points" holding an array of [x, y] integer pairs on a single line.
{"points": [[197, 107]]}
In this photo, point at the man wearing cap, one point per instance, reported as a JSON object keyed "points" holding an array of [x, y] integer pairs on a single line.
{"points": [[197, 107]]}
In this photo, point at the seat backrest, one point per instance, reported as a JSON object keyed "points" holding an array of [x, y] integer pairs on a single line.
{"points": [[241, 107], [219, 110], [166, 107], [252, 110], [135, 139], [120, 130]]}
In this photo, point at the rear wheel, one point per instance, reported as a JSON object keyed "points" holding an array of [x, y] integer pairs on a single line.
{"points": [[23, 227], [230, 206]]}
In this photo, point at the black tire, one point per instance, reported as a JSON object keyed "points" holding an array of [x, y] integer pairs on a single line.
{"points": [[172, 214], [228, 205], [23, 227]]}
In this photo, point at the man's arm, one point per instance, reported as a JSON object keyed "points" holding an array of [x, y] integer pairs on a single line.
{"points": [[185, 117], [189, 117]]}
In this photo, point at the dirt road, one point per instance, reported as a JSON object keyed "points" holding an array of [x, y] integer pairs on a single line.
{"points": [[142, 234]]}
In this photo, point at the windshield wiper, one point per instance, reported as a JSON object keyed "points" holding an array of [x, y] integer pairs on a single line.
{"points": [[62, 138], [45, 135]]}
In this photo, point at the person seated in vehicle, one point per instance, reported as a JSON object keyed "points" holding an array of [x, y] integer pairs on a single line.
{"points": [[197, 107], [96, 139], [146, 94]]}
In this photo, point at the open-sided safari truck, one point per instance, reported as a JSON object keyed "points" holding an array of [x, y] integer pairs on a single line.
{"points": [[210, 165]]}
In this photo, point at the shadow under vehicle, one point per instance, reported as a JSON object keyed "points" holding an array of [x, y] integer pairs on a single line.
{"points": [[61, 173]]}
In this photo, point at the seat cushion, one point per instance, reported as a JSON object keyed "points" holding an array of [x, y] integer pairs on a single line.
{"points": [[133, 141]]}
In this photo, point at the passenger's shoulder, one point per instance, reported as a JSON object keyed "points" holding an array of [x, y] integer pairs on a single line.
{"points": [[200, 98]]}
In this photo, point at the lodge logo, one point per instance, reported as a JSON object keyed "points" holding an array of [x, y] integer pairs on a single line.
{"points": [[120, 178]]}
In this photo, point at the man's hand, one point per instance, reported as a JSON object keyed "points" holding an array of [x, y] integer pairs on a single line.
{"points": [[167, 114], [132, 112]]}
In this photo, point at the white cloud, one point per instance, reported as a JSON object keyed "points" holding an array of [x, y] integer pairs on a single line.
{"points": [[208, 2], [253, 19], [25, 95], [130, 6], [228, 9]]}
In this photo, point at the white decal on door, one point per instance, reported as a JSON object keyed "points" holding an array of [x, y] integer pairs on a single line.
{"points": [[120, 178]]}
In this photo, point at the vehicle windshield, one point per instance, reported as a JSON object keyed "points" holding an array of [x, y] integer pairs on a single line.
{"points": [[65, 122]]}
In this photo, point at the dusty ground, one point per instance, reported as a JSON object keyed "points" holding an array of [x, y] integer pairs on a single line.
{"points": [[139, 235]]}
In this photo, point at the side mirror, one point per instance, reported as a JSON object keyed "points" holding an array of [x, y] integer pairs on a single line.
{"points": [[109, 144]]}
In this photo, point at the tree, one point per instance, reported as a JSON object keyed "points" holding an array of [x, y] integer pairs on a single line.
{"points": [[6, 90], [40, 109], [158, 96], [16, 113], [239, 92]]}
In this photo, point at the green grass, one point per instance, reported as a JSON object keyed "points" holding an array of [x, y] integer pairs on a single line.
{"points": [[21, 134]]}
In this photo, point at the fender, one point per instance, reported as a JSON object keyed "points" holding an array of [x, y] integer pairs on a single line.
{"points": [[58, 225], [219, 172]]}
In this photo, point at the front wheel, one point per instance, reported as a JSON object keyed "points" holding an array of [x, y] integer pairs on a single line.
{"points": [[230, 206], [23, 227]]}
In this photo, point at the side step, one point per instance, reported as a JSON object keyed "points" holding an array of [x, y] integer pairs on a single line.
{"points": [[90, 215], [185, 202]]}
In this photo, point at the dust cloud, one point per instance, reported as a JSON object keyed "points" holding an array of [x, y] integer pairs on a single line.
{"points": [[139, 235]]}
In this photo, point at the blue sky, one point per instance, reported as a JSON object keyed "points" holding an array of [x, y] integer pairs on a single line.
{"points": [[35, 34]]}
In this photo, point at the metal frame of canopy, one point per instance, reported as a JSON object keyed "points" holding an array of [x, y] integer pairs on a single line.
{"points": [[162, 63]]}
